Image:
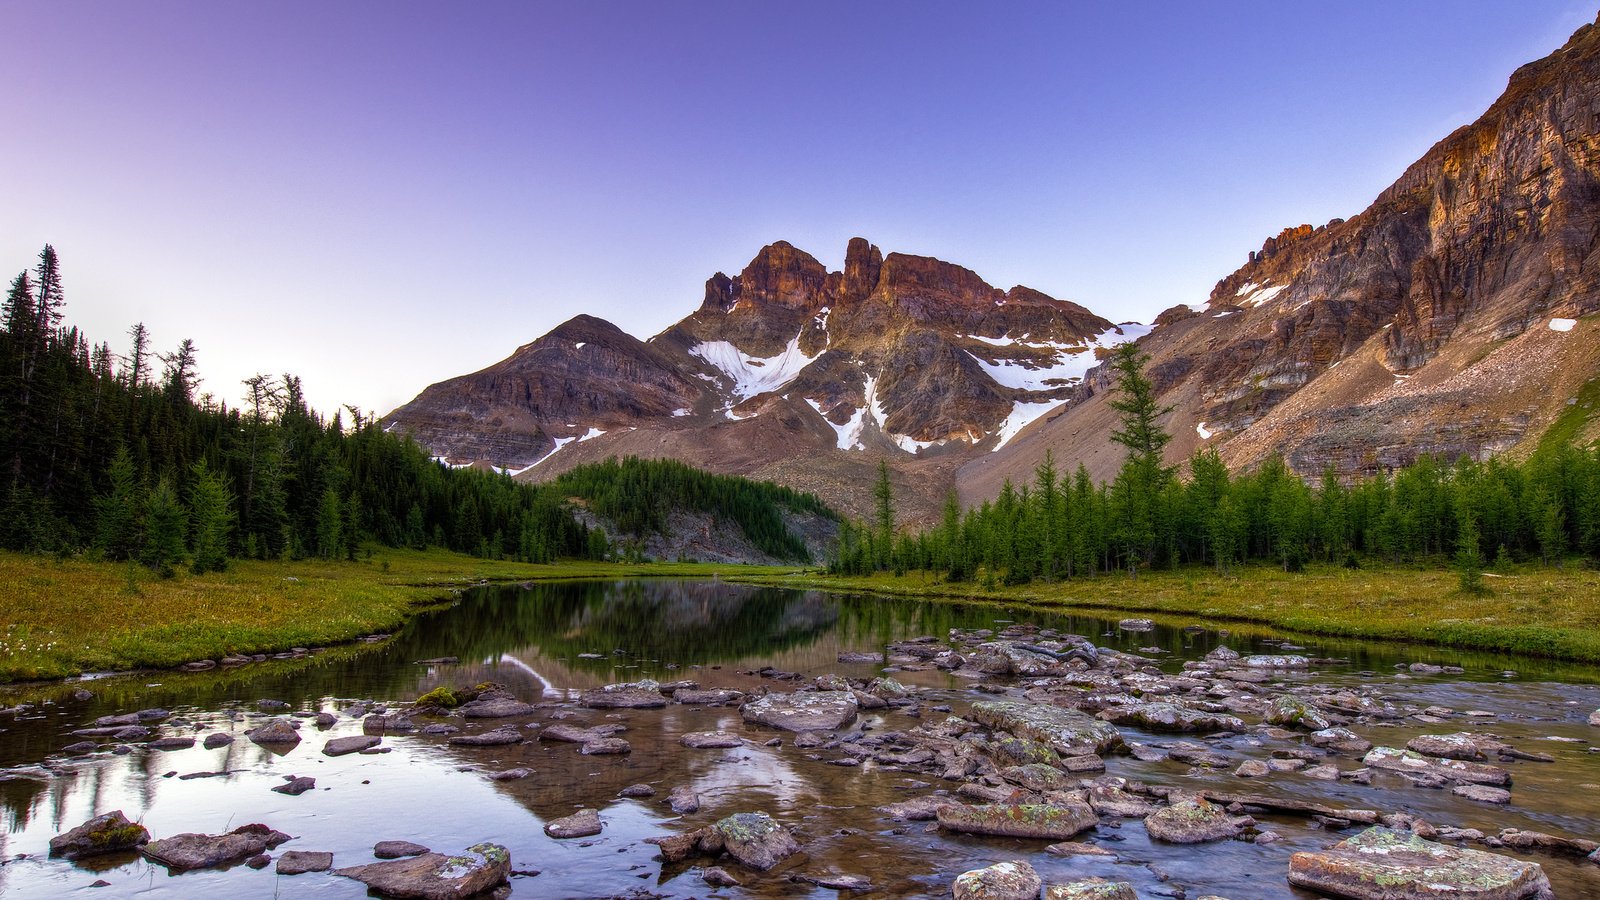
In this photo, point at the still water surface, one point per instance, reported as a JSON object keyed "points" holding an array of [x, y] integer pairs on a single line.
{"points": [[541, 642]]}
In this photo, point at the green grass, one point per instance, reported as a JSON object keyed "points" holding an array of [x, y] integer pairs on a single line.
{"points": [[64, 618], [1564, 431], [1531, 609]]}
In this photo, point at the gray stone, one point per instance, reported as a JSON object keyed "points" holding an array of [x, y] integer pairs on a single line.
{"points": [[711, 740], [435, 876], [299, 862], [1383, 864], [917, 809], [296, 785], [1277, 662], [684, 800], [637, 791], [1171, 717], [171, 743], [1252, 768], [353, 744], [515, 774], [716, 876], [217, 739], [1110, 800], [1192, 822], [274, 731], [583, 823], [1037, 777], [1453, 770], [397, 849], [1594, 718], [495, 708], [496, 738], [1014, 880], [803, 711], [1050, 821], [1463, 745], [203, 851], [1341, 740], [707, 698], [610, 746], [1067, 731], [1091, 889], [755, 840], [635, 695], [1482, 793], [107, 833], [1292, 712]]}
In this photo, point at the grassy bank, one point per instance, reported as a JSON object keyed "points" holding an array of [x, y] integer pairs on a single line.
{"points": [[63, 618], [1531, 610]]}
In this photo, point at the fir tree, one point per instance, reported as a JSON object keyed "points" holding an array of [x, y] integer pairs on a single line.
{"points": [[163, 530], [117, 519]]}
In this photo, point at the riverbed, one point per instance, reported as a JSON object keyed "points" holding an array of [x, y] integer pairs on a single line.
{"points": [[546, 644]]}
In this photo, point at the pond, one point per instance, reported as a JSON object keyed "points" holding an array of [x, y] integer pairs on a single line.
{"points": [[547, 643]]}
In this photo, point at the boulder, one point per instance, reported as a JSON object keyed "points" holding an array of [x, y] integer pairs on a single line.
{"points": [[1050, 821], [278, 732], [1292, 712], [217, 739], [1067, 731], [1093, 889], [1341, 740], [1192, 822], [1171, 717], [1038, 777], [1383, 864], [1014, 880], [353, 744], [107, 833], [203, 851], [1463, 745], [583, 823], [684, 800], [1411, 762], [803, 711], [299, 862], [435, 876], [755, 840]]}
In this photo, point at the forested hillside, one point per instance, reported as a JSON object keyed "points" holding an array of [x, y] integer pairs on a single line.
{"points": [[123, 456]]}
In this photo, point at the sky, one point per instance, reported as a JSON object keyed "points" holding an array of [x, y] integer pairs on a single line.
{"points": [[376, 196]]}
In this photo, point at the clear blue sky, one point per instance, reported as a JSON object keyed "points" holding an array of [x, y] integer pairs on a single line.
{"points": [[380, 195]]}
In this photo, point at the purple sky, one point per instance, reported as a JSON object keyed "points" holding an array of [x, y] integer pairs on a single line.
{"points": [[376, 196]]}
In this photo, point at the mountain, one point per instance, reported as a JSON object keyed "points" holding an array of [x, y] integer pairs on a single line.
{"points": [[1452, 316], [1446, 318], [786, 371]]}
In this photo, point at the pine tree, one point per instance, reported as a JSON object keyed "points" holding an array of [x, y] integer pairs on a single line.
{"points": [[210, 520], [117, 521], [163, 530], [50, 295], [883, 505], [181, 377], [329, 525], [1469, 555], [1136, 400]]}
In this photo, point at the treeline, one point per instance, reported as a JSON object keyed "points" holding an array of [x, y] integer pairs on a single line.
{"points": [[118, 455], [1470, 513], [639, 496]]}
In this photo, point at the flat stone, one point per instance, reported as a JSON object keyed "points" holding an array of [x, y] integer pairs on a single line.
{"points": [[1013, 880], [1037, 777], [1383, 864], [274, 731], [1463, 745], [1453, 770], [716, 876], [1252, 768], [435, 876], [515, 774], [397, 849], [1172, 717], [1050, 821], [495, 708], [1192, 822], [1276, 662], [496, 738], [1110, 800], [756, 840], [353, 744], [583, 823], [203, 851], [296, 785], [299, 862], [840, 882], [1341, 740], [1067, 731], [711, 740], [1078, 848], [171, 743], [803, 711], [107, 833], [610, 746], [637, 695], [1292, 712], [1482, 793], [707, 698], [1091, 889], [917, 809]]}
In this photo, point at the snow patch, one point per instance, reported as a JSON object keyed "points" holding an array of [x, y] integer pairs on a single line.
{"points": [[1023, 414], [560, 442], [1562, 324], [580, 345], [680, 413], [848, 435], [752, 375], [1224, 314], [591, 433], [1246, 288], [1204, 432], [1069, 362], [1261, 296]]}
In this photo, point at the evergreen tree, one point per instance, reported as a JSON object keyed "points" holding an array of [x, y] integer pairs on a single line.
{"points": [[210, 520], [1141, 433], [330, 526], [117, 525], [163, 530], [883, 506]]}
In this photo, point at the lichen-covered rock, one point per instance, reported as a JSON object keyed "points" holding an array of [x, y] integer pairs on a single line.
{"points": [[1171, 717], [202, 851], [494, 705], [583, 823], [1341, 740], [1067, 731], [1276, 662], [1413, 763], [435, 876], [803, 710], [107, 833], [1110, 800], [1051, 821], [1093, 889], [1383, 864], [755, 840], [274, 731], [633, 695], [1024, 751], [1463, 745], [1292, 712], [1037, 777], [1192, 822], [1482, 793], [1014, 880]]}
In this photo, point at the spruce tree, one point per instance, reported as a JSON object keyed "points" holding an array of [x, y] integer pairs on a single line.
{"points": [[164, 521], [210, 520], [330, 525], [883, 506], [117, 510]]}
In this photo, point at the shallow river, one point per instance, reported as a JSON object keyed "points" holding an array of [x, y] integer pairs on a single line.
{"points": [[547, 642]]}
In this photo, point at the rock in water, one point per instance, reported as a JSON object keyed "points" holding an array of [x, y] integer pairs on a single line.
{"points": [[1067, 731], [583, 823], [711, 740], [1463, 745], [803, 711], [202, 851], [1191, 822], [435, 876], [756, 840], [1454, 770], [1383, 864], [1050, 821], [354, 744], [1594, 718], [1292, 712], [397, 849], [637, 695], [1171, 717], [106, 833], [684, 800], [296, 785], [274, 732], [299, 862], [1093, 889], [1015, 880]]}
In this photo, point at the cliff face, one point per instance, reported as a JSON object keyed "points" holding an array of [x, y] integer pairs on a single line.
{"points": [[1425, 324]]}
